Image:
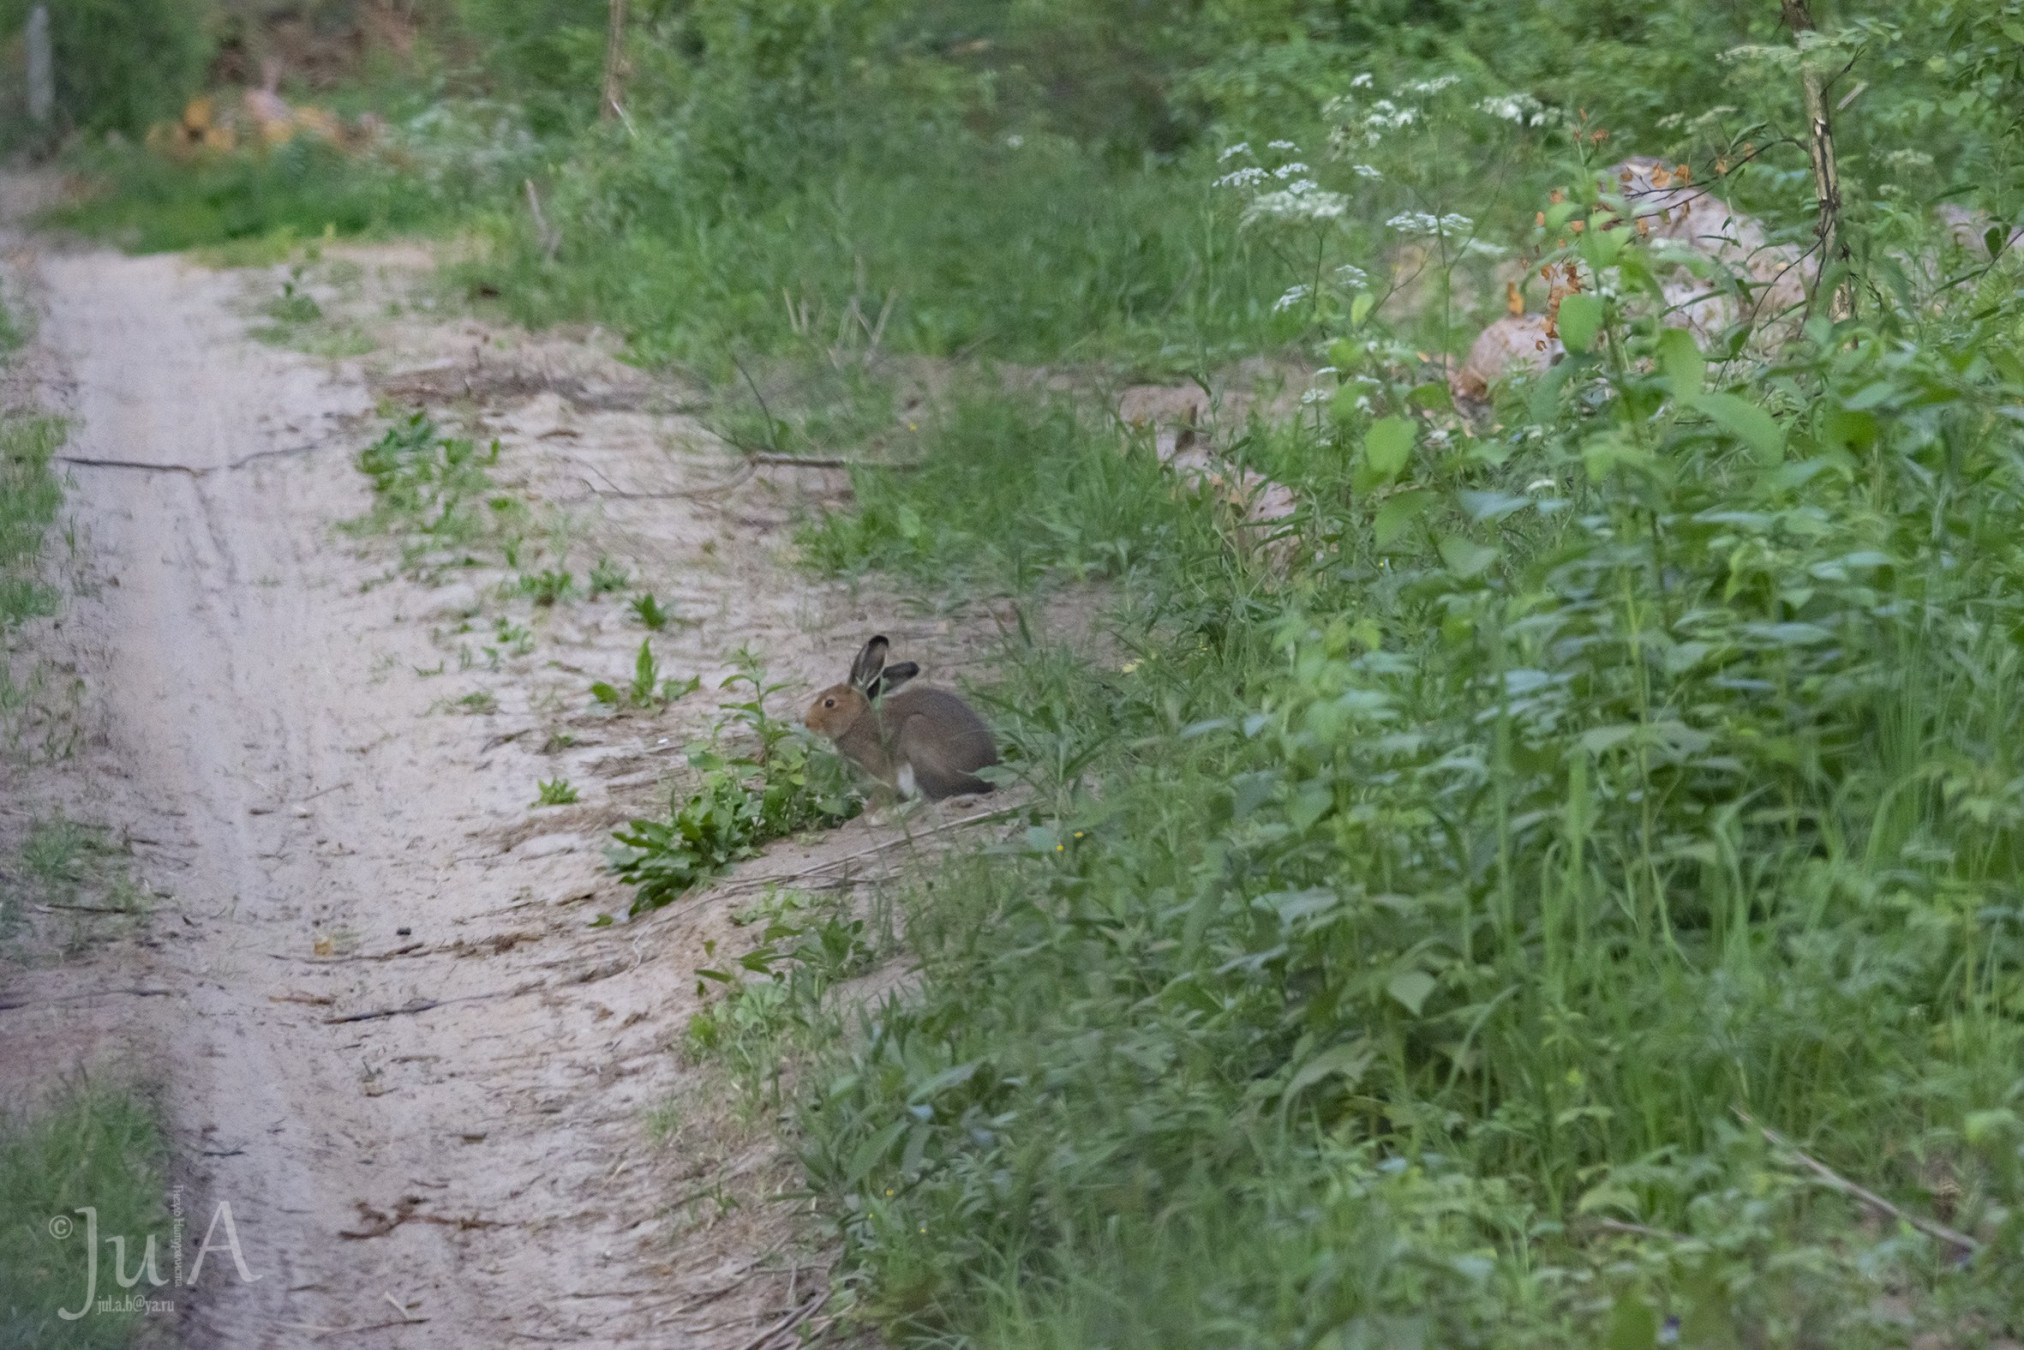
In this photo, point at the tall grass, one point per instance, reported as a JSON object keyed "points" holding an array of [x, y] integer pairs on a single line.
{"points": [[90, 1146], [1408, 948], [29, 499]]}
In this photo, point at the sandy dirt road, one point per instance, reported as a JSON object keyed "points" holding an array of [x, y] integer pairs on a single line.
{"points": [[443, 1109]]}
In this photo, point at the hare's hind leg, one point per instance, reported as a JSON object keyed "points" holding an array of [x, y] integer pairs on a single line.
{"points": [[928, 765]]}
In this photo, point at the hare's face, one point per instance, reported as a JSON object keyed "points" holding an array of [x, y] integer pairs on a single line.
{"points": [[834, 709]]}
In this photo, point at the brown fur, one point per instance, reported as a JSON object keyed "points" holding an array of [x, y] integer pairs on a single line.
{"points": [[892, 732]]}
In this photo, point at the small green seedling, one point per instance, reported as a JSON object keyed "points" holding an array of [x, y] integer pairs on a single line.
{"points": [[556, 791]]}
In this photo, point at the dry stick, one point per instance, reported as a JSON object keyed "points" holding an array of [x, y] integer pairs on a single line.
{"points": [[614, 62], [1826, 178], [192, 470], [787, 1323], [551, 239], [1960, 1241], [136, 990], [418, 1005], [777, 879]]}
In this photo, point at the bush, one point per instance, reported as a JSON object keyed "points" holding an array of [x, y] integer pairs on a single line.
{"points": [[122, 65]]}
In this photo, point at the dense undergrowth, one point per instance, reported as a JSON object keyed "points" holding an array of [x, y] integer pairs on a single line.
{"points": [[1415, 931]]}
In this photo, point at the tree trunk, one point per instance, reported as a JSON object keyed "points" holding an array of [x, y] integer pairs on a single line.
{"points": [[614, 63], [41, 66], [1826, 179]]}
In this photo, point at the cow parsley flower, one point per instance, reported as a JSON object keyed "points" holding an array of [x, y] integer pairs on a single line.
{"points": [[1523, 109], [1281, 145], [1248, 176], [1292, 169], [1294, 296], [1240, 148], [1348, 275], [1429, 226], [1366, 171], [1300, 200], [1362, 81]]}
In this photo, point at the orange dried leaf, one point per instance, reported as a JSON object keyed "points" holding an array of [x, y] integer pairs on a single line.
{"points": [[1514, 299]]}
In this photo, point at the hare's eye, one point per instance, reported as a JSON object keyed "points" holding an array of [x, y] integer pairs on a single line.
{"points": [[829, 703]]}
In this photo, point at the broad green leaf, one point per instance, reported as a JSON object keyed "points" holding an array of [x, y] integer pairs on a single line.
{"points": [[947, 1078], [1482, 506], [1580, 321], [1633, 1325], [873, 1150], [1342, 404], [1387, 446], [1989, 1127], [1343, 354], [1347, 1061], [1433, 396], [1360, 308], [1411, 988], [1745, 421], [1398, 514], [1681, 360], [1599, 739], [1465, 557], [605, 693]]}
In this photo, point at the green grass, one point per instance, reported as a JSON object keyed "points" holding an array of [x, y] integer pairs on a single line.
{"points": [[29, 499], [94, 1146], [1388, 926]]}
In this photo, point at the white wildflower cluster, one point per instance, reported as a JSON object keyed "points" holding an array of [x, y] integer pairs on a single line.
{"points": [[1363, 81], [1426, 225], [1310, 397], [1366, 171], [1247, 177], [1523, 109], [1434, 86], [465, 146], [1301, 200], [1294, 296], [1350, 276], [1240, 148], [1282, 145], [1291, 169]]}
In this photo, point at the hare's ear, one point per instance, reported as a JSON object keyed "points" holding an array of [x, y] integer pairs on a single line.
{"points": [[892, 677], [865, 670]]}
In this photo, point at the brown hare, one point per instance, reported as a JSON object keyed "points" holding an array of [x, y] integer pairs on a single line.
{"points": [[915, 738]]}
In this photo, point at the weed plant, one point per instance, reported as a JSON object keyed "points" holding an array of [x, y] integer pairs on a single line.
{"points": [[29, 499], [764, 784], [1442, 915], [435, 492], [90, 1145]]}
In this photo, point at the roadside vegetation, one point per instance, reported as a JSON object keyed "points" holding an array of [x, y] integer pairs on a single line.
{"points": [[85, 1146], [1556, 885]]}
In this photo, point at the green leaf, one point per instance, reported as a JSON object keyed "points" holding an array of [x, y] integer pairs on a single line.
{"points": [[1348, 1061], [1398, 514], [1989, 1127], [1433, 396], [1681, 360], [1342, 404], [1387, 447], [1360, 308], [1580, 321], [1745, 421], [1633, 1325], [605, 693], [1411, 988], [873, 1150], [1465, 557]]}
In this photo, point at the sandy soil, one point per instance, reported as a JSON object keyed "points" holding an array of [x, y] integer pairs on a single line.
{"points": [[443, 1108]]}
